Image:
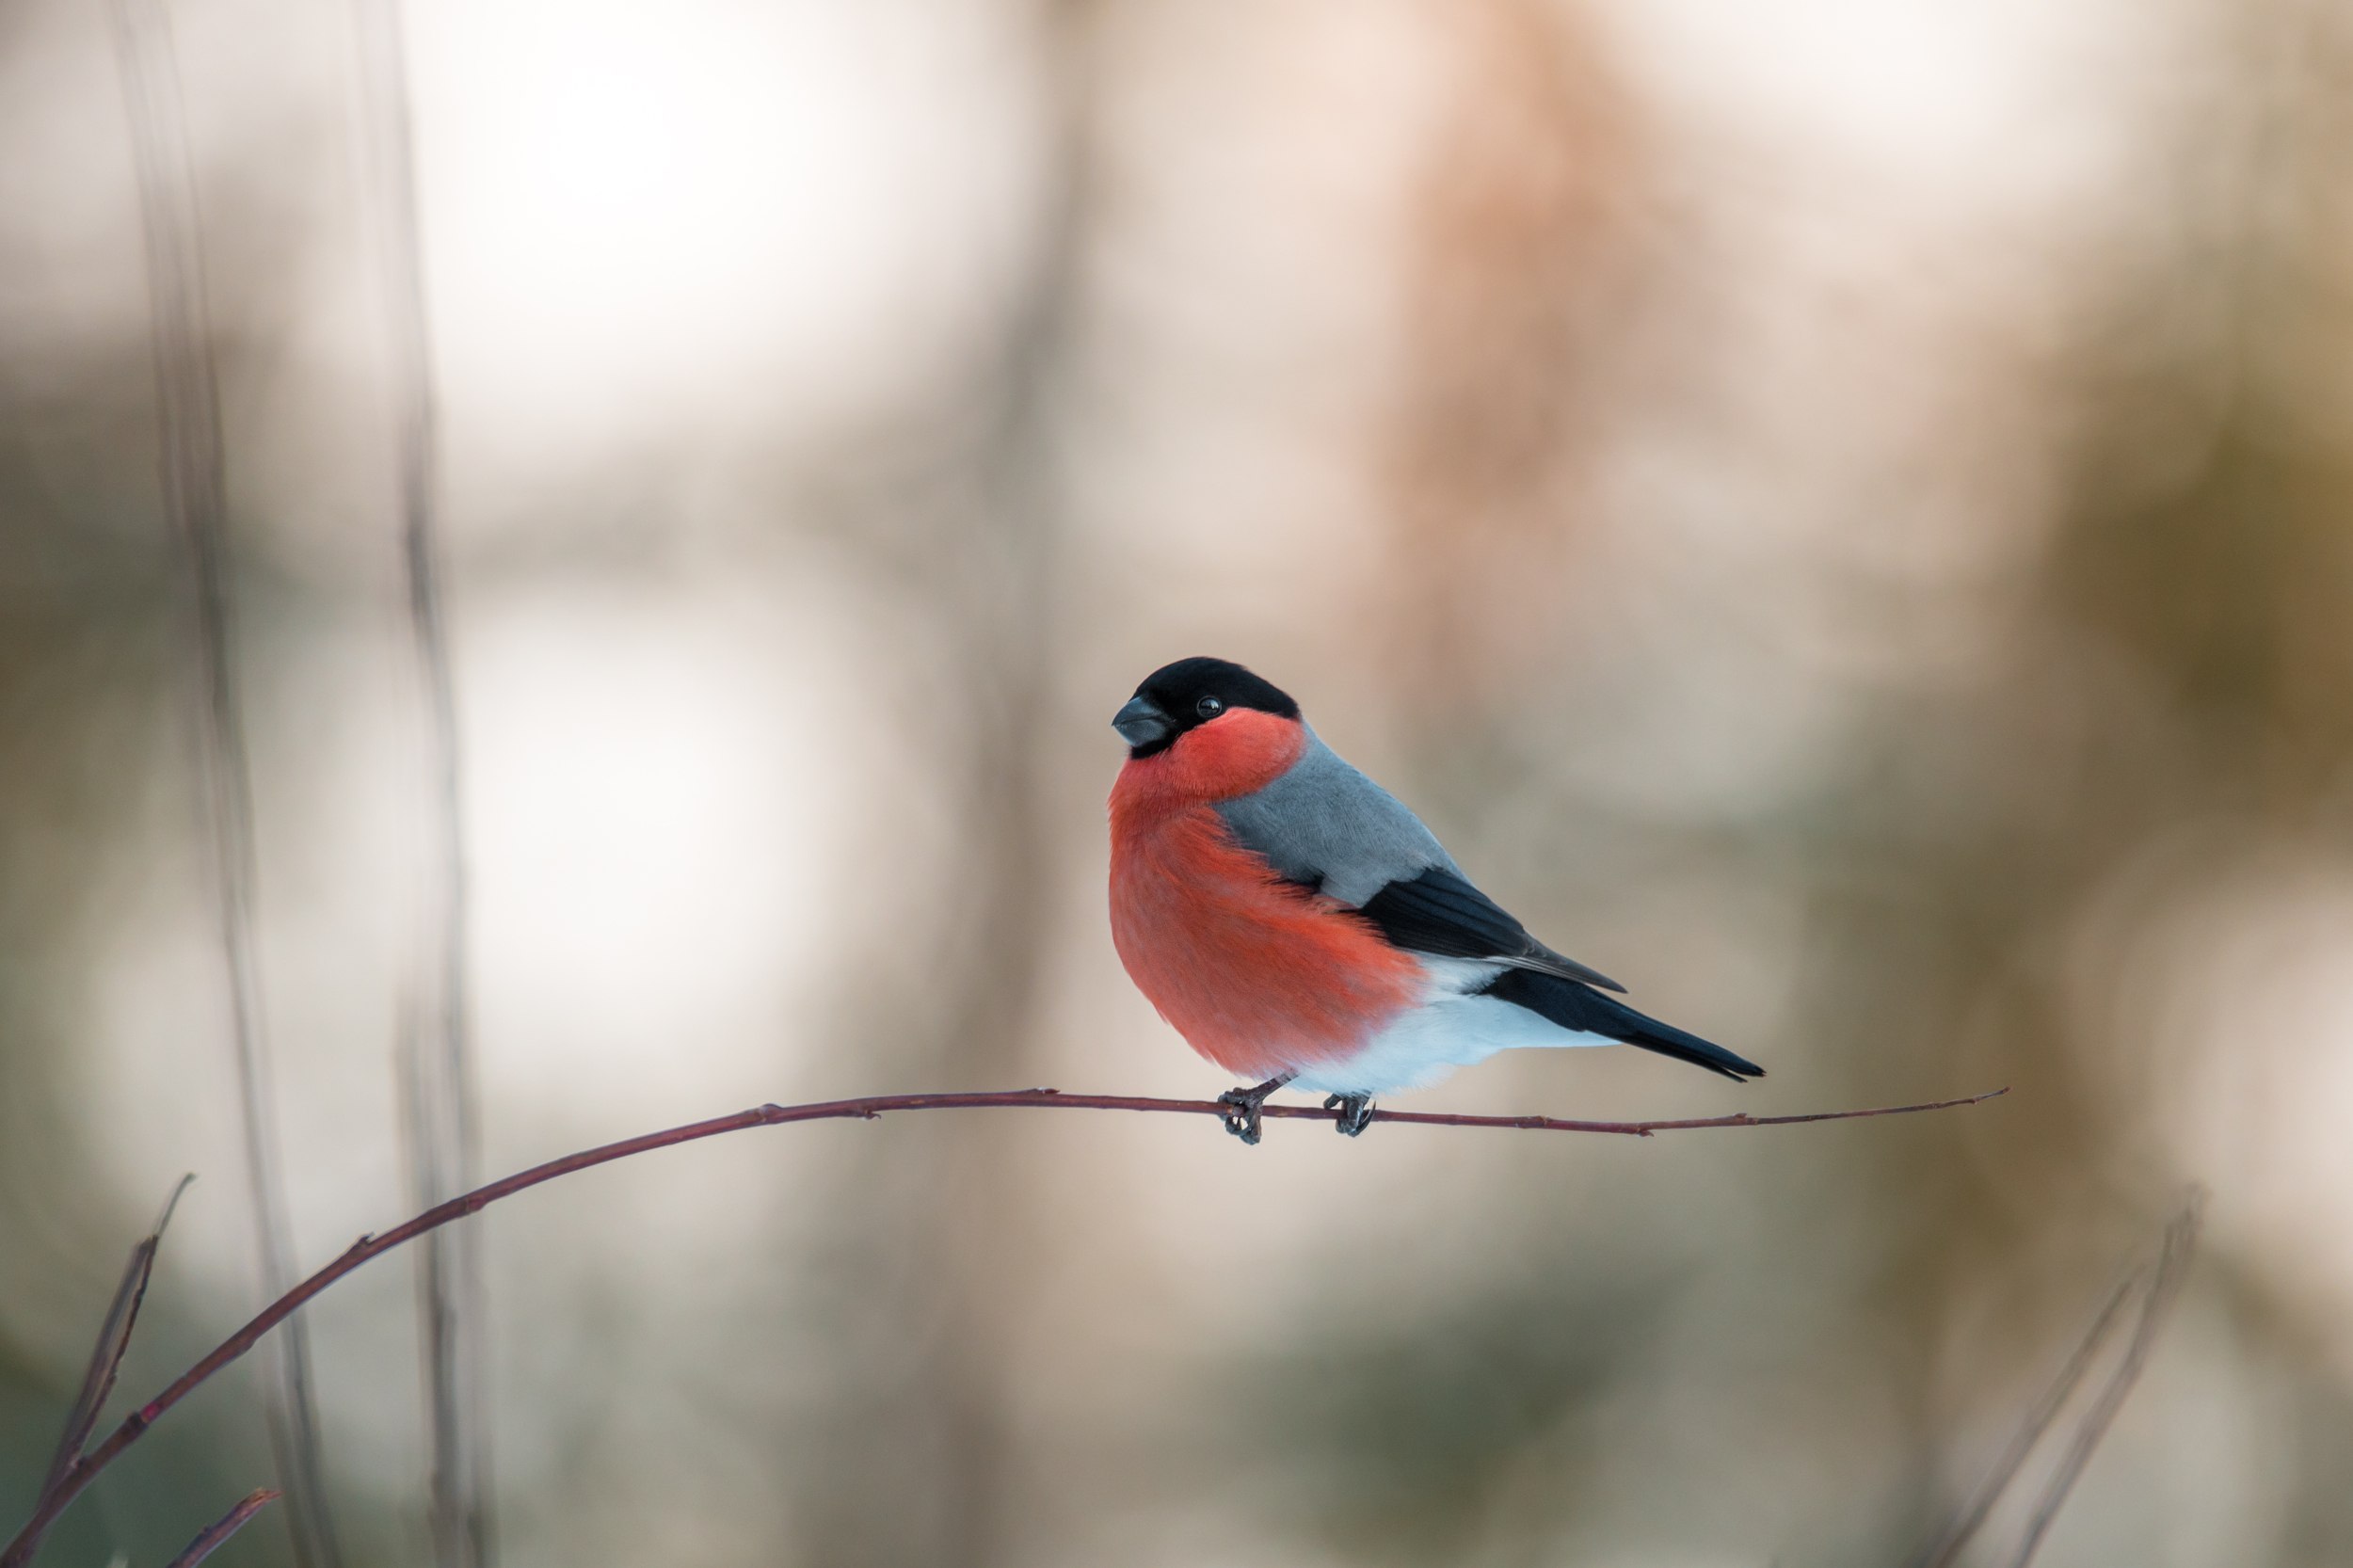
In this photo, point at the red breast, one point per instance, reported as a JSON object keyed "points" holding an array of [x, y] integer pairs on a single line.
{"points": [[1257, 975]]}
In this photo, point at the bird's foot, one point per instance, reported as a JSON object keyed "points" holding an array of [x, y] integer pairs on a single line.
{"points": [[1356, 1112], [1243, 1105]]}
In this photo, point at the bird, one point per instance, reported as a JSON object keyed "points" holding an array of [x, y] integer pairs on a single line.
{"points": [[1300, 927]]}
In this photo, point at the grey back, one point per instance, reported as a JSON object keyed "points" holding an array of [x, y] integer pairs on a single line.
{"points": [[1327, 826]]}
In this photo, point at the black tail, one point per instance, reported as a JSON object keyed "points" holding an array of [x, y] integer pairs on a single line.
{"points": [[1584, 1008]]}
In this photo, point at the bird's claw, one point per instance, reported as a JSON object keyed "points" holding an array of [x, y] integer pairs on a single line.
{"points": [[1356, 1112], [1241, 1113]]}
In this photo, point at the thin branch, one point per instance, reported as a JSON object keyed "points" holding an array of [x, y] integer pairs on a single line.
{"points": [[2154, 1282], [196, 500], [2165, 1284], [114, 1342], [1946, 1546], [217, 1536], [438, 1100], [20, 1550]]}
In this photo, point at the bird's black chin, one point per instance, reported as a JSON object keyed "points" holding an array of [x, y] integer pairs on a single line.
{"points": [[1144, 726]]}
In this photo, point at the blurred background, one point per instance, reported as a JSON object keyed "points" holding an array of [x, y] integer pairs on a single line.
{"points": [[1837, 513]]}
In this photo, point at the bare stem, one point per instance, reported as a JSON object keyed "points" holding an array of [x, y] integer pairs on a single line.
{"points": [[1946, 1548], [2164, 1282], [438, 1101], [2151, 1285], [20, 1550], [217, 1536], [196, 500], [113, 1343]]}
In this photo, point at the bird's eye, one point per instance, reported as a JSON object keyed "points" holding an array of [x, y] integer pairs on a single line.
{"points": [[1209, 707]]}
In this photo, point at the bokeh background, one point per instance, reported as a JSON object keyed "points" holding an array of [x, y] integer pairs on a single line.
{"points": [[1837, 511]]}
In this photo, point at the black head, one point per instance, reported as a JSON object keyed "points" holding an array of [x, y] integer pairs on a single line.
{"points": [[1189, 692]]}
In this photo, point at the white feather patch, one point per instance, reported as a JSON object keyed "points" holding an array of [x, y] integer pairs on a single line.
{"points": [[1450, 1029]]}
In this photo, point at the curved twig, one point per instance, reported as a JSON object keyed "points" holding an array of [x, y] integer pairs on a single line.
{"points": [[53, 1500]]}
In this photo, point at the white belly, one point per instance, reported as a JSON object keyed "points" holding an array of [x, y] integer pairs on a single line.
{"points": [[1449, 1030]]}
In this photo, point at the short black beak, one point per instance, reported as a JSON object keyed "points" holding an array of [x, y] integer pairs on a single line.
{"points": [[1140, 724]]}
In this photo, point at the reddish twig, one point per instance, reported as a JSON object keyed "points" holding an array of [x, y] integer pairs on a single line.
{"points": [[114, 1342], [217, 1536], [53, 1502]]}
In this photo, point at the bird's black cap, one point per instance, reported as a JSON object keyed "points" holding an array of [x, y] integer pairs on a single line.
{"points": [[1176, 698]]}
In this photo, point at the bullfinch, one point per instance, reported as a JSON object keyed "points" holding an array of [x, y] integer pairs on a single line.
{"points": [[1298, 925]]}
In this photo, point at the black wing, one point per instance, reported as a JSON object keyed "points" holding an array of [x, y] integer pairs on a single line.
{"points": [[1439, 913], [1588, 1012]]}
